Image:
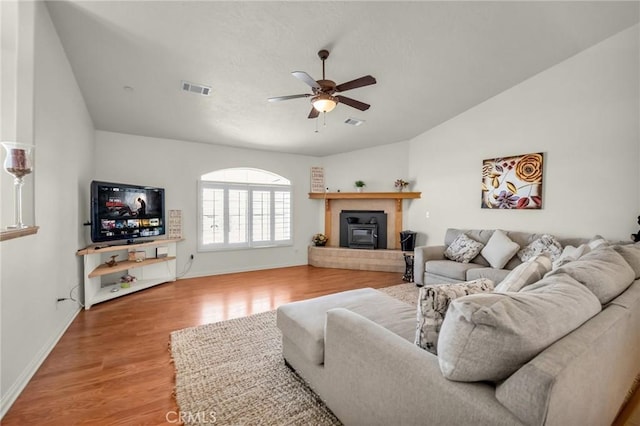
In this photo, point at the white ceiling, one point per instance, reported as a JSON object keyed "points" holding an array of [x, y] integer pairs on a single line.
{"points": [[432, 61]]}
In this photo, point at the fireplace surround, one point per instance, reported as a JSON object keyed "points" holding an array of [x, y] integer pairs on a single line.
{"points": [[390, 202]]}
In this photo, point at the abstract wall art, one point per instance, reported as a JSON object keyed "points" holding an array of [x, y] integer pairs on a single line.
{"points": [[513, 182]]}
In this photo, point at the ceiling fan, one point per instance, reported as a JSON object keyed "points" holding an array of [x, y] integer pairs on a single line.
{"points": [[322, 98]]}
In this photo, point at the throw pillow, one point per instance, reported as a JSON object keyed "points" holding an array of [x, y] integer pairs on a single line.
{"points": [[597, 242], [630, 253], [525, 274], [433, 302], [463, 249], [499, 249], [489, 336], [546, 244], [571, 253], [603, 271]]}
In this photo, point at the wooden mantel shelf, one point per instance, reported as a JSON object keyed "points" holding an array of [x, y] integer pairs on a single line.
{"points": [[328, 196], [362, 195]]}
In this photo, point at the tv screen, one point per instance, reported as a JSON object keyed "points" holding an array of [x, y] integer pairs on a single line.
{"points": [[125, 212]]}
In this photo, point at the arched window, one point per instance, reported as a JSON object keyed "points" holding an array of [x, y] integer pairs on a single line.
{"points": [[243, 208]]}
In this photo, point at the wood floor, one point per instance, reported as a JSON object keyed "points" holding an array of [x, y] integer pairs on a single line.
{"points": [[112, 366]]}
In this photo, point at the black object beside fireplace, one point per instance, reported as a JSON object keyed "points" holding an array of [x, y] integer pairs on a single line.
{"points": [[363, 229]]}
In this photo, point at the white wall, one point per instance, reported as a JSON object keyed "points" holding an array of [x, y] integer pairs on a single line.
{"points": [[378, 167], [16, 98], [582, 113], [177, 167], [38, 269]]}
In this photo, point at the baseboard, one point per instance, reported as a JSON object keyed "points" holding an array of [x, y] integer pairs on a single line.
{"points": [[237, 270], [18, 386]]}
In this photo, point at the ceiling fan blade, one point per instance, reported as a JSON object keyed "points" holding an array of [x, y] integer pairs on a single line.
{"points": [[354, 84], [314, 113], [284, 98], [306, 78], [353, 103]]}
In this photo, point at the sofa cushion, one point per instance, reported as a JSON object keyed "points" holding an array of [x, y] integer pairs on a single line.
{"points": [[481, 235], [447, 268], [571, 253], [495, 275], [488, 336], [546, 244], [303, 322], [526, 273], [603, 271], [499, 249], [433, 301], [631, 254], [463, 249]]}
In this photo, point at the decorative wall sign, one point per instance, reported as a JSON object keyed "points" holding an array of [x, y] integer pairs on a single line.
{"points": [[317, 179], [175, 224], [512, 182]]}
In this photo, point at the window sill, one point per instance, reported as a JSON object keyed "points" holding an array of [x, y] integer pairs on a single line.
{"points": [[10, 234]]}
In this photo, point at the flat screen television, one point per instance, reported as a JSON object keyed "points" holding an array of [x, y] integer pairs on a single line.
{"points": [[126, 212]]}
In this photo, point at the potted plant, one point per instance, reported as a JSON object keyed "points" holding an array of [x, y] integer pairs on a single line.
{"points": [[319, 240], [359, 185], [400, 184]]}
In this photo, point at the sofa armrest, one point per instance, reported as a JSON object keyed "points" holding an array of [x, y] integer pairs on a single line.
{"points": [[423, 254], [379, 378]]}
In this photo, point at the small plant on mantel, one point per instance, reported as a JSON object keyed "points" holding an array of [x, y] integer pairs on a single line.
{"points": [[400, 184], [359, 185]]}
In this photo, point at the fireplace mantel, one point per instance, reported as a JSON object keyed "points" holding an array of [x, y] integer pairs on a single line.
{"points": [[397, 196], [362, 195]]}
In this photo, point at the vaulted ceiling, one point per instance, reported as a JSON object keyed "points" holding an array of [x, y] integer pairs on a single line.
{"points": [[432, 61]]}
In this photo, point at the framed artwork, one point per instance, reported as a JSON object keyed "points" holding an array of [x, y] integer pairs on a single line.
{"points": [[175, 224], [513, 182], [317, 179]]}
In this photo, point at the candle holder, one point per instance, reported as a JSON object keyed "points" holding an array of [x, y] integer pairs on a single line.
{"points": [[18, 163]]}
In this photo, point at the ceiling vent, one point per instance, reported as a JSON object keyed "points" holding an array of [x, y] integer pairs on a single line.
{"points": [[353, 121], [200, 89]]}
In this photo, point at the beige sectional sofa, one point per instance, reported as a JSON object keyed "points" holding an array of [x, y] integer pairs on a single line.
{"points": [[356, 350], [432, 267]]}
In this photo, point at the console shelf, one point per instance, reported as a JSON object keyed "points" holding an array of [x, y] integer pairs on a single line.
{"points": [[100, 284], [125, 265]]}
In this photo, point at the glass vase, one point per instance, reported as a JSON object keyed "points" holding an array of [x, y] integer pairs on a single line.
{"points": [[18, 163]]}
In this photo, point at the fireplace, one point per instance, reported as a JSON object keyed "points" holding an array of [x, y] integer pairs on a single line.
{"points": [[363, 229], [362, 235]]}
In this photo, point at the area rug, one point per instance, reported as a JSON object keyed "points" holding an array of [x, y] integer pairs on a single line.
{"points": [[232, 373]]}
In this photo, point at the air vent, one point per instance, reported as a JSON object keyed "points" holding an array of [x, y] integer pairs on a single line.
{"points": [[200, 89], [353, 121]]}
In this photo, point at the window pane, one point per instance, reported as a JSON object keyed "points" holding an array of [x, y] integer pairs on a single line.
{"points": [[261, 220], [238, 203], [246, 176], [212, 216], [282, 204]]}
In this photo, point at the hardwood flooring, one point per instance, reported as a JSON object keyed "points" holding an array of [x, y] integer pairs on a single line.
{"points": [[112, 366]]}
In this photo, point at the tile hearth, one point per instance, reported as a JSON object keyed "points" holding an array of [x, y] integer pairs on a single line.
{"points": [[360, 259]]}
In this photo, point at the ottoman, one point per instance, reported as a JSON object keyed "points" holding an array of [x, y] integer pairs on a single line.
{"points": [[302, 323]]}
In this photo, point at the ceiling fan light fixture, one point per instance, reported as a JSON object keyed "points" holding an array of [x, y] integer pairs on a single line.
{"points": [[324, 102]]}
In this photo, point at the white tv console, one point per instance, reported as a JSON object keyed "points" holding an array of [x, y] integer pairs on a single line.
{"points": [[101, 281]]}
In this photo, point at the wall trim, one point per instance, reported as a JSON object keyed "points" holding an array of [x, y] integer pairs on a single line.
{"points": [[238, 270]]}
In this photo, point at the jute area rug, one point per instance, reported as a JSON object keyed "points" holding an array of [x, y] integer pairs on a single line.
{"points": [[232, 373]]}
